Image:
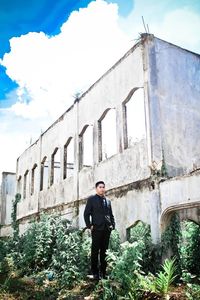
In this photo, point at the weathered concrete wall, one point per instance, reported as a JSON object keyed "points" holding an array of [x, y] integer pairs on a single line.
{"points": [[126, 166], [24, 164], [6, 230], [6, 197], [174, 92], [180, 194], [58, 193], [191, 214], [170, 79], [131, 203]]}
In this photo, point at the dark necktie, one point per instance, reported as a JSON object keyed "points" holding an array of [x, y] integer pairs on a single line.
{"points": [[104, 203]]}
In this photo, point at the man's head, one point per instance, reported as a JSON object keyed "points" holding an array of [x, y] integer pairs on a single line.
{"points": [[100, 188]]}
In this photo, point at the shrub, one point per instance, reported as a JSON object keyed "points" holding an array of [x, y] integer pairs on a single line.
{"points": [[114, 243], [33, 250], [51, 248], [151, 257], [70, 256], [189, 248], [193, 291], [124, 269]]}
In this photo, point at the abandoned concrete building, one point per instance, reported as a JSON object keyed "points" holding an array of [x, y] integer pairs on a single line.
{"points": [[137, 128]]}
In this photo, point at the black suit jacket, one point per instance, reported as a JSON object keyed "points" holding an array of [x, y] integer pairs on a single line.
{"points": [[98, 214]]}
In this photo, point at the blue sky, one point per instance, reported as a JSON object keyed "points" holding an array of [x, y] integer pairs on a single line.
{"points": [[22, 16], [44, 44]]}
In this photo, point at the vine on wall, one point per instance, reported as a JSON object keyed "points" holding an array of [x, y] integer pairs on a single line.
{"points": [[15, 222]]}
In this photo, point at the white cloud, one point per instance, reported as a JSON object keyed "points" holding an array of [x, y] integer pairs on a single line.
{"points": [[16, 134], [14, 138], [14, 147], [179, 25], [52, 69]]}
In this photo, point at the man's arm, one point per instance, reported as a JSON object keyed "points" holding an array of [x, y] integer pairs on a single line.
{"points": [[88, 212], [112, 219]]}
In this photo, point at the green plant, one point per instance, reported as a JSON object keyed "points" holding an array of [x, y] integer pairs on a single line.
{"points": [[107, 290], [3, 251], [141, 234], [147, 283], [114, 243], [171, 237], [124, 268], [182, 239], [32, 252], [189, 248], [50, 248], [15, 222], [9, 270], [158, 285], [193, 291], [187, 277], [166, 277], [70, 258], [57, 256]]}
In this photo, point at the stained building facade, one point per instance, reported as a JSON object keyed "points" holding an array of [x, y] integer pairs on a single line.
{"points": [[137, 128]]}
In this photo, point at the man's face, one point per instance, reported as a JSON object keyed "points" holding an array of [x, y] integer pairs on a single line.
{"points": [[100, 190]]}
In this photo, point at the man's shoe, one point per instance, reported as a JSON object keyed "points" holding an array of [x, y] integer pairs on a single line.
{"points": [[93, 277]]}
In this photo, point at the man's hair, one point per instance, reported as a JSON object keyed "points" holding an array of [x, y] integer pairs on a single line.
{"points": [[98, 183]]}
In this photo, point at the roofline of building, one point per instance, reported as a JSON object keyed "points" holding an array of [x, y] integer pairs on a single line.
{"points": [[78, 99], [7, 173]]}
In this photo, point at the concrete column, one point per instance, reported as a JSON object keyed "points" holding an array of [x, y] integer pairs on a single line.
{"points": [[61, 162], [76, 166], [49, 157], [76, 152], [153, 115], [96, 143], [39, 172], [154, 203], [119, 128]]}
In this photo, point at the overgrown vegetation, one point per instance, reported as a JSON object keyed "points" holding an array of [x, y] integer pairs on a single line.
{"points": [[51, 261]]}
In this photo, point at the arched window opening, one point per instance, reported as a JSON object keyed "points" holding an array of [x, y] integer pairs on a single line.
{"points": [[86, 147], [25, 191], [107, 134], [134, 118], [55, 166], [44, 176], [33, 179], [68, 169]]}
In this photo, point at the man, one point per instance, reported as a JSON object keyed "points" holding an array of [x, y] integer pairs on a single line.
{"points": [[100, 220]]}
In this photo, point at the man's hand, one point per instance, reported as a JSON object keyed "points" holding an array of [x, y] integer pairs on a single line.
{"points": [[91, 228]]}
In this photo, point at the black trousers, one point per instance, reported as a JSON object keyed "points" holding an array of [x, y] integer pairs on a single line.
{"points": [[100, 241]]}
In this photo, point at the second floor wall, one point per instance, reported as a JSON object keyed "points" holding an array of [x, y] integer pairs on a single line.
{"points": [[103, 136], [143, 113]]}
